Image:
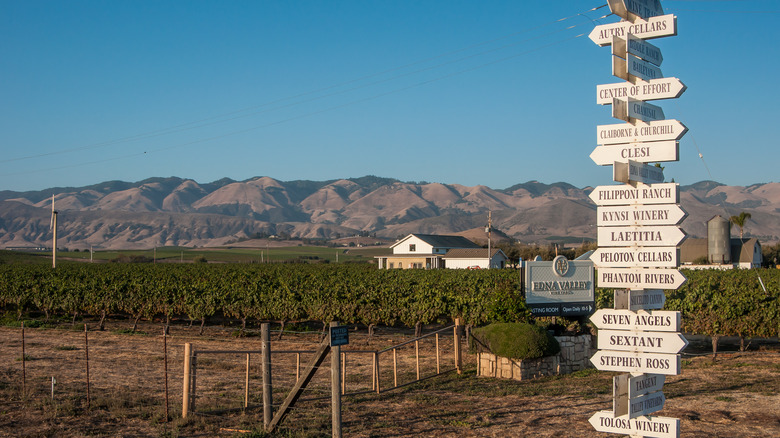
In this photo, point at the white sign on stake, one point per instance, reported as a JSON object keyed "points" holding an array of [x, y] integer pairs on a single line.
{"points": [[645, 299], [648, 152], [666, 193], [664, 88], [641, 342], [638, 278], [623, 133], [635, 9], [654, 27], [651, 257], [634, 171], [634, 386], [632, 67], [658, 427], [655, 320], [653, 235], [627, 215], [631, 362], [622, 46], [646, 404], [632, 110]]}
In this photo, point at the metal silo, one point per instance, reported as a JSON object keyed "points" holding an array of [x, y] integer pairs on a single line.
{"points": [[719, 240]]}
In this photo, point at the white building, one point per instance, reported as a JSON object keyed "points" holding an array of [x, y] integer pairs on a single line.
{"points": [[428, 251]]}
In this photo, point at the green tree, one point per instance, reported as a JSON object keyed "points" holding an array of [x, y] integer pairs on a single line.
{"points": [[740, 221]]}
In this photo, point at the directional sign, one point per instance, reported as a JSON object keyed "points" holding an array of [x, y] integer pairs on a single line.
{"points": [[639, 406], [638, 278], [642, 342], [634, 9], [634, 386], [666, 193], [653, 257], [648, 152], [642, 69], [655, 235], [664, 88], [657, 427], [630, 362], [655, 320], [632, 67], [632, 110], [645, 299], [626, 133], [626, 215], [654, 27], [621, 46], [634, 171]]}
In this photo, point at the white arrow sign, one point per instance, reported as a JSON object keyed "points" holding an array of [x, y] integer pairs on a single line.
{"points": [[627, 215], [636, 172], [632, 10], [645, 299], [630, 362], [620, 319], [660, 235], [667, 193], [657, 427], [648, 152], [655, 27], [622, 46], [626, 133], [638, 278], [634, 386], [653, 257], [664, 88], [642, 342], [633, 68], [632, 110], [646, 404]]}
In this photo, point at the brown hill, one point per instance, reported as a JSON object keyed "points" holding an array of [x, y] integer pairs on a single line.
{"points": [[175, 211]]}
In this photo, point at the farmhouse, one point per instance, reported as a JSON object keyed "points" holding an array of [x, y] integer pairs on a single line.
{"points": [[428, 251]]}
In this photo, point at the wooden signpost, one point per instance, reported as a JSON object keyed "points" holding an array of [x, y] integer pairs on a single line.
{"points": [[632, 110], [650, 152], [664, 214], [663, 88], [636, 172], [638, 224]]}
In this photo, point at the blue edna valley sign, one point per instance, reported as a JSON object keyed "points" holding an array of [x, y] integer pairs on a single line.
{"points": [[559, 288]]}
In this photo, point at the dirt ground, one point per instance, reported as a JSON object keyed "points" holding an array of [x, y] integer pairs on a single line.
{"points": [[737, 395]]}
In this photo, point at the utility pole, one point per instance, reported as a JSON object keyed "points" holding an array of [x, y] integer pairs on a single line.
{"points": [[489, 226]]}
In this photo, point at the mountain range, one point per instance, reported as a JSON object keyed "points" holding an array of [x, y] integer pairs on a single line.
{"points": [[181, 212]]}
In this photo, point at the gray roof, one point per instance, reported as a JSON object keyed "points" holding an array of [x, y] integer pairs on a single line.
{"points": [[472, 253]]}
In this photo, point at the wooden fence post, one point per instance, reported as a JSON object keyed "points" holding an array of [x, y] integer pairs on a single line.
{"points": [[185, 403], [86, 358], [335, 386], [24, 366], [265, 336], [246, 383], [165, 357], [456, 342]]}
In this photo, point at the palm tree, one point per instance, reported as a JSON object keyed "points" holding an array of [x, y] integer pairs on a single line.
{"points": [[740, 221]]}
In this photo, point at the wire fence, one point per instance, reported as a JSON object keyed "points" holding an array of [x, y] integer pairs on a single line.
{"points": [[141, 375]]}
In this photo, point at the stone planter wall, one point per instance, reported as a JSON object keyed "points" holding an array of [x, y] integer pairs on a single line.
{"points": [[574, 356]]}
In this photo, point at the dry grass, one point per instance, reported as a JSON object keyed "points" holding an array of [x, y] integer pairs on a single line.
{"points": [[735, 396]]}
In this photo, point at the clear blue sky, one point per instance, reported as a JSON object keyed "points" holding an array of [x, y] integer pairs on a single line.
{"points": [[469, 92]]}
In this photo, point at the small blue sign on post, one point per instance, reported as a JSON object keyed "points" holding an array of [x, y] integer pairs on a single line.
{"points": [[339, 336]]}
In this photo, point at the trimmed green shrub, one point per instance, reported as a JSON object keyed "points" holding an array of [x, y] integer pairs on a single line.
{"points": [[515, 341]]}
